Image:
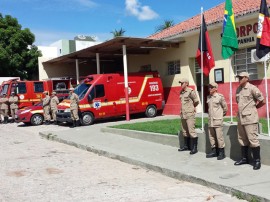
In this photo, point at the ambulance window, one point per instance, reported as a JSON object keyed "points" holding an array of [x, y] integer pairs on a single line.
{"points": [[5, 89], [38, 87], [91, 95], [100, 91], [21, 88], [81, 90]]}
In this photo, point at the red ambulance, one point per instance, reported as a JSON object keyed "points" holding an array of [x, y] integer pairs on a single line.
{"points": [[103, 96], [30, 92]]}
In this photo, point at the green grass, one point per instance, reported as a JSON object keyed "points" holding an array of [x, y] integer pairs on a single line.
{"points": [[172, 126]]}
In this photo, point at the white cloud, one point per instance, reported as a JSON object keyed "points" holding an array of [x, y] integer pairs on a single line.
{"points": [[134, 7]]}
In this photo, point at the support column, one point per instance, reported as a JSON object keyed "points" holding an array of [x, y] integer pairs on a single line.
{"points": [[98, 63], [77, 72], [126, 81]]}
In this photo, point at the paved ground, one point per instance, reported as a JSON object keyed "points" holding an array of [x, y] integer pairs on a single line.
{"points": [[220, 175], [35, 169]]}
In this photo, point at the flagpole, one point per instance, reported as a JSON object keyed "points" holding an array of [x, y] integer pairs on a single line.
{"points": [[230, 75], [266, 93], [202, 99]]}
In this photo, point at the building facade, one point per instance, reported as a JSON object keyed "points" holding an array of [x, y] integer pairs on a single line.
{"points": [[246, 19]]}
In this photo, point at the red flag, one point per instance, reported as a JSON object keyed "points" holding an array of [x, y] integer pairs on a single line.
{"points": [[208, 57], [263, 35]]}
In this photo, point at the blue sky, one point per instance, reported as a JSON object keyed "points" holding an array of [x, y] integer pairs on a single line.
{"points": [[52, 20]]}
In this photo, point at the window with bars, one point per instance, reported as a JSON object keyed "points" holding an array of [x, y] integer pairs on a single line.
{"points": [[174, 67], [242, 63]]}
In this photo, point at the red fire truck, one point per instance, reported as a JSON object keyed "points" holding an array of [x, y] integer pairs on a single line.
{"points": [[103, 96], [30, 92]]}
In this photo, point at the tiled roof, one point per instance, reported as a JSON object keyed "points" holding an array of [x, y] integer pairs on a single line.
{"points": [[212, 16]]}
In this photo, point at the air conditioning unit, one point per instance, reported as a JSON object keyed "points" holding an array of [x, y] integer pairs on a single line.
{"points": [[255, 59]]}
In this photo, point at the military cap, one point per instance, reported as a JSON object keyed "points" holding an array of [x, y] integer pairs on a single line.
{"points": [[213, 84], [45, 92], [183, 80], [12, 92], [242, 74], [71, 89], [54, 93]]}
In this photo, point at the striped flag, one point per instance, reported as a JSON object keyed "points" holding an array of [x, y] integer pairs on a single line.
{"points": [[263, 35], [208, 58]]}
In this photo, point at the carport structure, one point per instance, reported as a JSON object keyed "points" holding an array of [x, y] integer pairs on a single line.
{"points": [[111, 50]]}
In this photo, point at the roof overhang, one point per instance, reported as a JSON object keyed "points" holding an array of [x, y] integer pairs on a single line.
{"points": [[113, 49]]}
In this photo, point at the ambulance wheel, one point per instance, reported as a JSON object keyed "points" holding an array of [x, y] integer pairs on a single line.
{"points": [[87, 119], [37, 119], [151, 111]]}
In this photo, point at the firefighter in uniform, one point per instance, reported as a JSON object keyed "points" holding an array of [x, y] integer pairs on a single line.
{"points": [[249, 98], [74, 105], [13, 103], [53, 105], [46, 107], [189, 102], [217, 108], [4, 107]]}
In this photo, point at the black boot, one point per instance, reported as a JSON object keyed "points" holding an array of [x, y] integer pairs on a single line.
{"points": [[256, 158], [78, 123], [194, 144], [244, 159], [186, 144], [5, 120], [73, 124], [47, 122], [213, 153], [12, 121], [221, 154]]}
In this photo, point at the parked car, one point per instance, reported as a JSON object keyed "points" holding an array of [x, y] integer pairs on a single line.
{"points": [[32, 115]]}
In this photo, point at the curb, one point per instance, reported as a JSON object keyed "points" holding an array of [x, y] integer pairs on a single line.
{"points": [[167, 172], [170, 140]]}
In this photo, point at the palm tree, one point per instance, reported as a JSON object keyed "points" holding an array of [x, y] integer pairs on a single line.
{"points": [[167, 24], [117, 33]]}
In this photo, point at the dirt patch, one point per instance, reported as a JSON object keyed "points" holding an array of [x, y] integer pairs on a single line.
{"points": [[52, 171], [17, 173]]}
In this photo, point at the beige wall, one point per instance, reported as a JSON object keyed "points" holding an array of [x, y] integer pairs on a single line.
{"points": [[186, 54]]}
